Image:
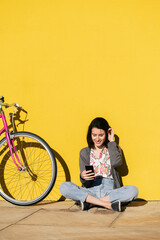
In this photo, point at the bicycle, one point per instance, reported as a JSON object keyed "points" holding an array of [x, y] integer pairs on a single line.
{"points": [[28, 167]]}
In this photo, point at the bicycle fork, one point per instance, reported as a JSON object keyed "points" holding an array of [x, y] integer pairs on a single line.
{"points": [[10, 141]]}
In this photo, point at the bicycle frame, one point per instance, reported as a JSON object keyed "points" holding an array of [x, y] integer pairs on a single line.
{"points": [[9, 141]]}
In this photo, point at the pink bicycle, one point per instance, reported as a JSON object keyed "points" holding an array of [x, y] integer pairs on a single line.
{"points": [[27, 167]]}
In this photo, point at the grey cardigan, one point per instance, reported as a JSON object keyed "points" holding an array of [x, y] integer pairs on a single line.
{"points": [[115, 158]]}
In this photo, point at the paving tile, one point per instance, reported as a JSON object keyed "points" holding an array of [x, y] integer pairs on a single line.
{"points": [[76, 233], [147, 216], [3, 226], [70, 218], [57, 205], [42, 204], [12, 215], [10, 205], [4, 203]]}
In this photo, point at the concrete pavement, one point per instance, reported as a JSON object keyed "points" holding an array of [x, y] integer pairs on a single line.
{"points": [[64, 220]]}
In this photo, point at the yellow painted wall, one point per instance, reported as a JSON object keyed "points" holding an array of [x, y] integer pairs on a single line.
{"points": [[67, 62]]}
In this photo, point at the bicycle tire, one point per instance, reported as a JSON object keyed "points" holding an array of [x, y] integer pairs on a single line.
{"points": [[32, 184]]}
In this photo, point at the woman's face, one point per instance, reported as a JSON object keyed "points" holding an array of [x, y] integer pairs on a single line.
{"points": [[98, 137]]}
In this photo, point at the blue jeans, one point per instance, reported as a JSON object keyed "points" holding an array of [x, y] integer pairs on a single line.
{"points": [[101, 187]]}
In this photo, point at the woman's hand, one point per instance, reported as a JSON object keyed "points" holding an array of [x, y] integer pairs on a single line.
{"points": [[87, 175], [111, 134]]}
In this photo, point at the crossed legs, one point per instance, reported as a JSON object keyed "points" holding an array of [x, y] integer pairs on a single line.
{"points": [[123, 194]]}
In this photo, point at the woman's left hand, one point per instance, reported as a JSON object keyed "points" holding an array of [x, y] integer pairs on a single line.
{"points": [[111, 134]]}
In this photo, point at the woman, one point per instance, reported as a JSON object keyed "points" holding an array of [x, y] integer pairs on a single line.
{"points": [[101, 187]]}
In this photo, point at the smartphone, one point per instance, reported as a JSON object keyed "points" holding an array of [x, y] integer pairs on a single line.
{"points": [[89, 167]]}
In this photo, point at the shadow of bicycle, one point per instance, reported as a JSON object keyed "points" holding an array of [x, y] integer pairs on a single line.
{"points": [[63, 175]]}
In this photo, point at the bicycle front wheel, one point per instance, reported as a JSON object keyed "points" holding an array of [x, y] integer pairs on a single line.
{"points": [[36, 175]]}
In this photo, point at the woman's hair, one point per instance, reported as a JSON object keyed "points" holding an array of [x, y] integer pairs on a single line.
{"points": [[99, 123]]}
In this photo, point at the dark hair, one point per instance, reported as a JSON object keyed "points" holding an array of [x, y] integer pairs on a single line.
{"points": [[99, 123]]}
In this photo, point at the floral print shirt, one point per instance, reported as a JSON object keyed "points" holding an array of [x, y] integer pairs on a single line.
{"points": [[101, 165]]}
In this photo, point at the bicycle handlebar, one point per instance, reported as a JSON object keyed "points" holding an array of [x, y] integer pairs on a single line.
{"points": [[6, 105]]}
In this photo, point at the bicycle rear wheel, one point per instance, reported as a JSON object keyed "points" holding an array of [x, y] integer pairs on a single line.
{"points": [[35, 179]]}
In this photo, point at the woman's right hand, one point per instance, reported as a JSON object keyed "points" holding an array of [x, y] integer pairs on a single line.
{"points": [[87, 175]]}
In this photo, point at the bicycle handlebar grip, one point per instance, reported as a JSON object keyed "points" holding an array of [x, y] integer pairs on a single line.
{"points": [[2, 99], [17, 105]]}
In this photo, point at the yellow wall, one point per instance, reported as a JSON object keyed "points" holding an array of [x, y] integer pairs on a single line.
{"points": [[69, 61]]}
